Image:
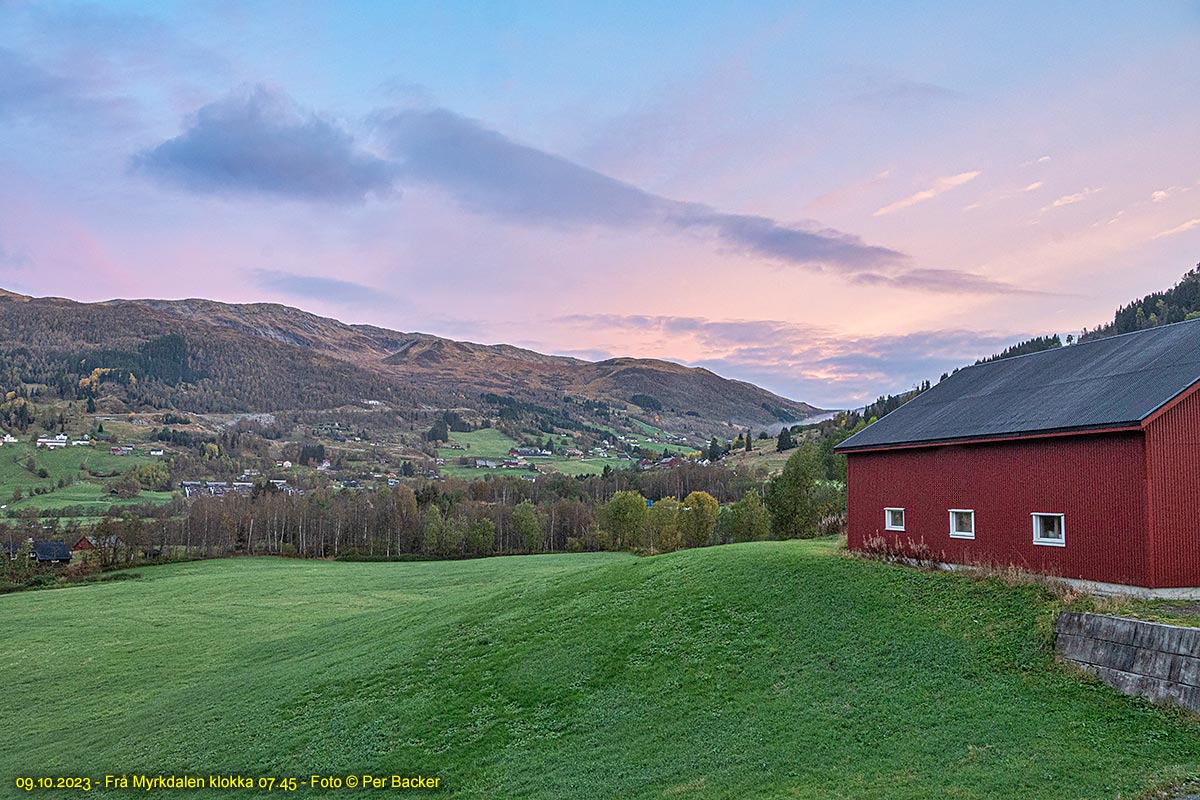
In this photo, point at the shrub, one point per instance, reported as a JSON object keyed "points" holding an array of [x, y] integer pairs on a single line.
{"points": [[832, 524]]}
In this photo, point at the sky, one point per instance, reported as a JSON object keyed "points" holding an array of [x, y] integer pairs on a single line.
{"points": [[831, 200]]}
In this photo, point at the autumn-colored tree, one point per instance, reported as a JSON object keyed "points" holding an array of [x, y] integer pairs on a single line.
{"points": [[698, 519], [663, 525]]}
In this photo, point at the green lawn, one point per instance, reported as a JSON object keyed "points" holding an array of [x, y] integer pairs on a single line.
{"points": [[761, 670], [486, 443], [92, 496], [64, 463]]}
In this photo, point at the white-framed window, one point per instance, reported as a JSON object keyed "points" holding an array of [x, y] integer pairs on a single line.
{"points": [[962, 523], [1049, 529], [893, 519]]}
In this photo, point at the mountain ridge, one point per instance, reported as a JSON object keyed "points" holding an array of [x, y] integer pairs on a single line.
{"points": [[302, 360]]}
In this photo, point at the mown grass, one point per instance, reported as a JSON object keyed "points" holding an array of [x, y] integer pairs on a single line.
{"points": [[484, 443], [759, 670]]}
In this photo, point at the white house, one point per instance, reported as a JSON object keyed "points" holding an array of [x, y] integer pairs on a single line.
{"points": [[53, 443]]}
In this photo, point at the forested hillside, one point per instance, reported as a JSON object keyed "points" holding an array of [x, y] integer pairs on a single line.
{"points": [[1180, 302], [204, 356]]}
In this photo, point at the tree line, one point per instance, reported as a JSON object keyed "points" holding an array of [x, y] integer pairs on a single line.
{"points": [[650, 512]]}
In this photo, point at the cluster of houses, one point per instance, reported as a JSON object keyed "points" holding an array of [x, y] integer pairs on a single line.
{"points": [[668, 462], [55, 552], [529, 452], [59, 441], [221, 488], [506, 463]]}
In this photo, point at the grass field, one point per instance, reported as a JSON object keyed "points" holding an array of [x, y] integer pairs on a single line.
{"points": [[761, 670], [484, 443], [491, 444], [64, 463], [91, 496], [763, 456]]}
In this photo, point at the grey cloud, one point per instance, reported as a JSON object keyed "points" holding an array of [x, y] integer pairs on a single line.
{"points": [[765, 237], [258, 141], [943, 280], [316, 288], [491, 174]]}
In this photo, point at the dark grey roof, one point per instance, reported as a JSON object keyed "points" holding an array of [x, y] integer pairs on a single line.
{"points": [[51, 551], [1104, 383]]}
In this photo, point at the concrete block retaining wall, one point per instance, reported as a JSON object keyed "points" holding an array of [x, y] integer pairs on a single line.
{"points": [[1143, 659]]}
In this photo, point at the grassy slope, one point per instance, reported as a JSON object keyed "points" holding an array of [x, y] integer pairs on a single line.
{"points": [[763, 455], [491, 444], [65, 463], [764, 670]]}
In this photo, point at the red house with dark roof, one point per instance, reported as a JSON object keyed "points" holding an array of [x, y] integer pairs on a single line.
{"points": [[1081, 462]]}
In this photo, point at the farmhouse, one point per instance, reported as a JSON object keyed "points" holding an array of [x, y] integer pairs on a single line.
{"points": [[48, 552], [1081, 462], [53, 442], [97, 543]]}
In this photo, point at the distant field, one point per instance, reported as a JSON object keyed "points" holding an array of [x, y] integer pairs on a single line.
{"points": [[64, 463], [491, 444], [486, 443], [767, 670], [90, 495], [763, 455]]}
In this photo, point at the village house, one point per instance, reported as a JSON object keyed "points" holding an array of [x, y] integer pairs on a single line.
{"points": [[44, 552], [94, 543], [53, 442], [1079, 462]]}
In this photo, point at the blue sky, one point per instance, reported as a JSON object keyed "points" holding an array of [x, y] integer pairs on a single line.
{"points": [[832, 200]]}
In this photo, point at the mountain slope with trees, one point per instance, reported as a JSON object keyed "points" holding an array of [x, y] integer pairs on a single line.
{"points": [[202, 355]]}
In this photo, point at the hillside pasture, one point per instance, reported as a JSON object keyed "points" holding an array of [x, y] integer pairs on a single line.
{"points": [[490, 444], [86, 485], [766, 670]]}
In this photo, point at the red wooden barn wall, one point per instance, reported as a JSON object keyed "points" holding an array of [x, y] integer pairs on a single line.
{"points": [[1097, 481], [1173, 467]]}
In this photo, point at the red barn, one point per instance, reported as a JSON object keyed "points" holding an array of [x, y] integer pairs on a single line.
{"points": [[1081, 462]]}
